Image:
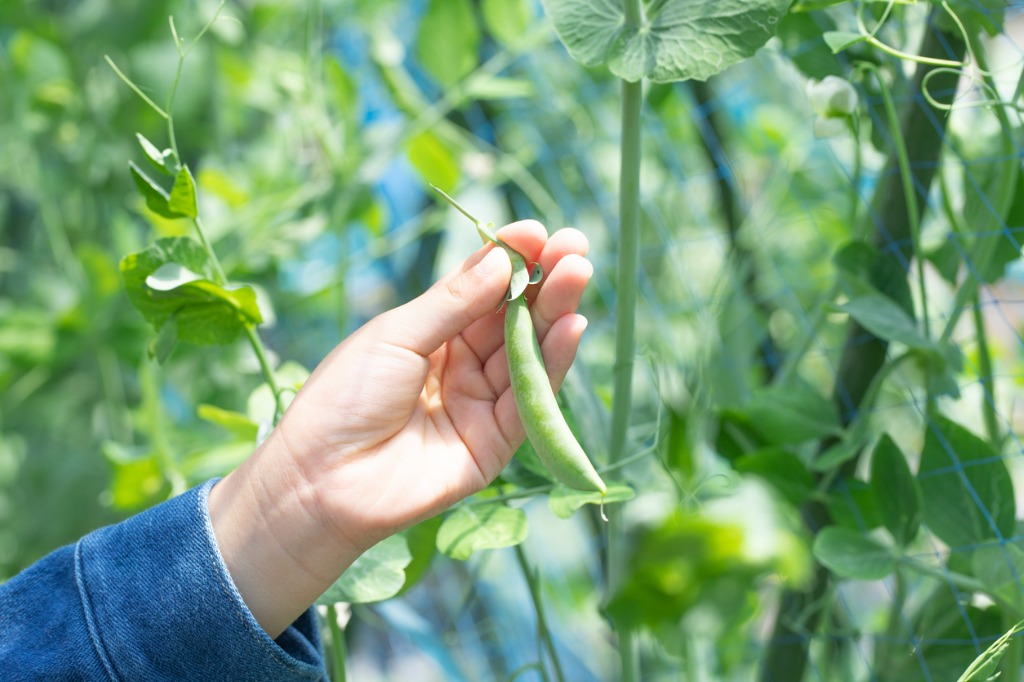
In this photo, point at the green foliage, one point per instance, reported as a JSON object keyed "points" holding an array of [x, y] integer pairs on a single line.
{"points": [[507, 20], [712, 561], [473, 528], [171, 281], [784, 415], [966, 489], [1001, 570], [678, 40], [378, 574], [897, 493], [884, 318], [782, 470], [851, 554], [564, 501], [434, 160], [447, 41], [984, 666]]}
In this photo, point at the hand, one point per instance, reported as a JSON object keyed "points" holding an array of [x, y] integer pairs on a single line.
{"points": [[410, 414]]}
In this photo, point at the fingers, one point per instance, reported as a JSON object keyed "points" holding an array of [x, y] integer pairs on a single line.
{"points": [[561, 292], [525, 236], [566, 272], [461, 301], [448, 307], [528, 237]]}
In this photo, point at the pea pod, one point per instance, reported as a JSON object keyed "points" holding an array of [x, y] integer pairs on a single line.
{"points": [[542, 419]]}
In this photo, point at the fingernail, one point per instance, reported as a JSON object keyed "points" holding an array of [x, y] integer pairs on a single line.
{"points": [[495, 259]]}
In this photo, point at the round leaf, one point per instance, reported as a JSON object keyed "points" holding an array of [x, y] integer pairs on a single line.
{"points": [[678, 40], [375, 576], [851, 554], [473, 528]]}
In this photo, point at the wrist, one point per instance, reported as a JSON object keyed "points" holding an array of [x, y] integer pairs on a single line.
{"points": [[279, 548]]}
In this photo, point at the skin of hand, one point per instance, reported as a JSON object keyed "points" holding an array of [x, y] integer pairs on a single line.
{"points": [[410, 414]]}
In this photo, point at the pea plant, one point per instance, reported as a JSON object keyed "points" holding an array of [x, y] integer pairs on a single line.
{"points": [[878, 485]]}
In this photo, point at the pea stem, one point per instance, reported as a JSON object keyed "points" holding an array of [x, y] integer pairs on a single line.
{"points": [[543, 632], [337, 645], [625, 332], [456, 205]]}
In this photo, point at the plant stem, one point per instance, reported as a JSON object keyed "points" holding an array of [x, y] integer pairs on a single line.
{"points": [[886, 651], [907, 179], [543, 631], [988, 393], [170, 105], [250, 330], [337, 645], [625, 339]]}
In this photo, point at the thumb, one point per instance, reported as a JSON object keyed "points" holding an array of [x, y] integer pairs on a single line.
{"points": [[451, 305]]}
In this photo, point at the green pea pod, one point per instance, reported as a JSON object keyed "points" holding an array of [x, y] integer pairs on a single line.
{"points": [[545, 426]]}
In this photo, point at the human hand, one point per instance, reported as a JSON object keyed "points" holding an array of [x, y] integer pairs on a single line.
{"points": [[410, 414], [413, 412]]}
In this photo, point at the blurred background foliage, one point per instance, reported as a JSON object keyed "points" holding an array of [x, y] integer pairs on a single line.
{"points": [[312, 128]]}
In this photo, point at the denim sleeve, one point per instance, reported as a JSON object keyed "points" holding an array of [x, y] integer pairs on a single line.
{"points": [[146, 599]]}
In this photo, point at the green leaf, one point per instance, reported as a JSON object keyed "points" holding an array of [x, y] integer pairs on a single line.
{"points": [[987, 15], [473, 528], [990, 229], [848, 447], [684, 39], [137, 479], [795, 413], [507, 20], [447, 41], [343, 90], [687, 562], [852, 505], [215, 460], [884, 318], [155, 195], [850, 554], [1001, 569], [434, 161], [182, 201], [897, 493], [422, 540], [984, 666], [526, 470], [946, 258], [841, 40], [564, 500], [782, 470], [159, 159], [172, 278], [800, 34], [234, 422], [966, 490], [163, 345], [375, 576]]}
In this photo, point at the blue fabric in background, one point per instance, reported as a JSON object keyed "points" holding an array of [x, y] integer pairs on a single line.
{"points": [[147, 599]]}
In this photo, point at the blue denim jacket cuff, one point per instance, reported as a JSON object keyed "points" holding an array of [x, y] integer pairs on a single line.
{"points": [[160, 604]]}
